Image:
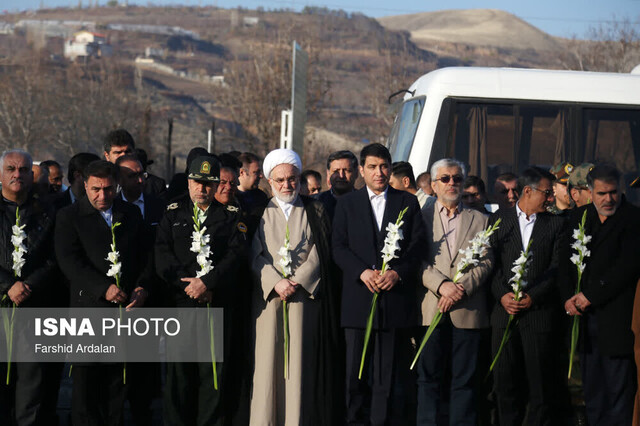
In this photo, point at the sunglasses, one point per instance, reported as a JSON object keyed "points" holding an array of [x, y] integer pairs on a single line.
{"points": [[548, 193], [447, 178]]}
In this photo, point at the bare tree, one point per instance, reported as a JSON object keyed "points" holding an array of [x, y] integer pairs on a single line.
{"points": [[258, 87], [613, 46]]}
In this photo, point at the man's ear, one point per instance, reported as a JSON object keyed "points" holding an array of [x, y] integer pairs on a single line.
{"points": [[406, 182]]}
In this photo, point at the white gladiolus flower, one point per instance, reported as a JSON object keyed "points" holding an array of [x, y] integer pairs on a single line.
{"points": [[200, 243], [113, 256], [285, 256], [18, 237], [114, 270]]}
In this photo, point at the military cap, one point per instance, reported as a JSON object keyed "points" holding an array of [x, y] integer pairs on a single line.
{"points": [[578, 177], [562, 172], [206, 168]]}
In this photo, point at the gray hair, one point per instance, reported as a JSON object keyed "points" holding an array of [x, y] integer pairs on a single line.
{"points": [[448, 162], [25, 154]]}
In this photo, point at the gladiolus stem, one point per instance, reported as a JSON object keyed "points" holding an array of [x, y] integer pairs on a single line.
{"points": [[367, 333], [505, 338], [434, 323], [285, 324], [212, 348]]}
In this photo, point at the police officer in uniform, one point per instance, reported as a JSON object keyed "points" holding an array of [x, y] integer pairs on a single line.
{"points": [[190, 397]]}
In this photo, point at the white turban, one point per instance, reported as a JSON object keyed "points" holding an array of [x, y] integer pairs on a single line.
{"points": [[280, 156]]}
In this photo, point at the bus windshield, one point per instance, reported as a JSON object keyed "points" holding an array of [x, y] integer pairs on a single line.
{"points": [[404, 129]]}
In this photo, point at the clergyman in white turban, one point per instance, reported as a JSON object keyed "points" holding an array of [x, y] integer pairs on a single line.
{"points": [[310, 394]]}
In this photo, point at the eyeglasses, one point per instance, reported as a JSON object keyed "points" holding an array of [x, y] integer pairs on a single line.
{"points": [[290, 180], [470, 194], [547, 193], [446, 178]]}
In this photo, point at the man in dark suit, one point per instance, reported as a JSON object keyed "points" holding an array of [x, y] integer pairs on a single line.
{"points": [[528, 364], [132, 183], [606, 300], [77, 164], [82, 241], [342, 172], [36, 384], [144, 381], [358, 237], [153, 184]]}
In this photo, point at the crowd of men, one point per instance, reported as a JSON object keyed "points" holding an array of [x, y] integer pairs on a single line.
{"points": [[322, 254]]}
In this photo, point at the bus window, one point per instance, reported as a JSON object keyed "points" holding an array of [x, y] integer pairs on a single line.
{"points": [[613, 136], [404, 129]]}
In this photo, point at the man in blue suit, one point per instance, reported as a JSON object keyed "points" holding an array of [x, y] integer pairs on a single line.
{"points": [[359, 231]]}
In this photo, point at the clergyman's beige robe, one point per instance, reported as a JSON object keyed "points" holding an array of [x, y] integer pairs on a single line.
{"points": [[274, 400]]}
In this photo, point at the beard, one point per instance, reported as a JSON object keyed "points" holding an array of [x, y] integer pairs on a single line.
{"points": [[285, 197], [341, 187]]}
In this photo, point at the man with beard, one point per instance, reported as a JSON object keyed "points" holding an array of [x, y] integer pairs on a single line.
{"points": [[342, 172], [359, 232], [307, 390], [83, 238], [606, 300], [402, 179], [456, 340], [36, 384], [189, 395], [526, 372]]}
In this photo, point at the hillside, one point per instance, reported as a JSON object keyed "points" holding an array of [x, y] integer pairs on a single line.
{"points": [[480, 27], [355, 63]]}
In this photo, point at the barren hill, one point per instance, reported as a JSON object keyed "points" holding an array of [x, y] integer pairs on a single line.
{"points": [[480, 27]]}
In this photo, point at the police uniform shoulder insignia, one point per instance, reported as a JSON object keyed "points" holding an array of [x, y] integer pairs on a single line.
{"points": [[242, 227], [172, 206], [233, 209]]}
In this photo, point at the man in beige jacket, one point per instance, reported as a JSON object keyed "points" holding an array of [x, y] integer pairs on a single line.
{"points": [[450, 227]]}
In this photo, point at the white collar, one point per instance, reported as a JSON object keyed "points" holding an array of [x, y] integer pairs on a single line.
{"points": [[373, 195], [522, 214]]}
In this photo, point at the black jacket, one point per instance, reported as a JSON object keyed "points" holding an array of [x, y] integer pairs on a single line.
{"points": [[506, 242], [40, 263], [83, 240], [610, 276], [357, 244], [175, 260]]}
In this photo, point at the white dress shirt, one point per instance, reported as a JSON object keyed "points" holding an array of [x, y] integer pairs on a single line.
{"points": [[285, 207], [139, 202], [526, 226], [378, 203]]}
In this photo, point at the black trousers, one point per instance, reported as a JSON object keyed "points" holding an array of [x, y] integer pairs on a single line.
{"points": [[190, 398], [98, 395], [527, 374], [36, 396], [380, 398], [460, 347], [609, 383]]}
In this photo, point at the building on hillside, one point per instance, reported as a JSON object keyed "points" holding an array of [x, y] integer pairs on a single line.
{"points": [[86, 44]]}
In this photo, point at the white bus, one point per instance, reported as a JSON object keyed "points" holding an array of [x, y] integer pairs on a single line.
{"points": [[502, 119]]}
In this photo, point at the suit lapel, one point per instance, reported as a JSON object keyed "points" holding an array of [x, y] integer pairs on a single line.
{"points": [[391, 209], [539, 230], [438, 233], [368, 222]]}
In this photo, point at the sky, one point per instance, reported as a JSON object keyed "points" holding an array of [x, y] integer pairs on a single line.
{"points": [[563, 18]]}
